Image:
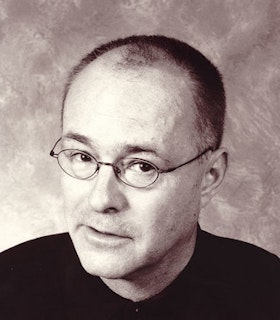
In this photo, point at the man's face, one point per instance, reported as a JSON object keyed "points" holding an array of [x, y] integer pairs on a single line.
{"points": [[117, 230]]}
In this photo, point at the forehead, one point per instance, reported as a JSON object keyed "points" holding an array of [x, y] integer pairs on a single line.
{"points": [[109, 72], [140, 102]]}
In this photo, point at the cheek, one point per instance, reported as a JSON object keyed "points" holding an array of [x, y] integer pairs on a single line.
{"points": [[165, 211]]}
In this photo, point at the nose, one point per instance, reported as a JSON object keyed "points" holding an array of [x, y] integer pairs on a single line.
{"points": [[106, 195]]}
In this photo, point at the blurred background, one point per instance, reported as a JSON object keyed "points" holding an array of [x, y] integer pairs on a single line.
{"points": [[42, 39]]}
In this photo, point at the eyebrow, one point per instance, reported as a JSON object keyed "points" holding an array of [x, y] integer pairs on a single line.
{"points": [[129, 148], [137, 149], [79, 137]]}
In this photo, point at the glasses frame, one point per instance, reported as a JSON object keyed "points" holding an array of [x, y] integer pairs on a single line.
{"points": [[117, 170]]}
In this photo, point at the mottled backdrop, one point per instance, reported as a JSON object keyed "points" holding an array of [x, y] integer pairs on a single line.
{"points": [[42, 39]]}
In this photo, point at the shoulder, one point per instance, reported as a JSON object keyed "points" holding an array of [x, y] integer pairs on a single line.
{"points": [[36, 257], [231, 278], [39, 279], [235, 262], [235, 256], [37, 263], [45, 243], [244, 277], [36, 251], [34, 266], [32, 276]]}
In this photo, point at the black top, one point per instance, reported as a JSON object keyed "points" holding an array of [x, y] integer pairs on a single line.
{"points": [[225, 279]]}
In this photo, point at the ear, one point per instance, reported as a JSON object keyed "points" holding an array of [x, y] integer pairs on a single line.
{"points": [[214, 174]]}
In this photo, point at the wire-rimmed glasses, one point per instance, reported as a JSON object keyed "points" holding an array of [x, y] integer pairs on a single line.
{"points": [[135, 172]]}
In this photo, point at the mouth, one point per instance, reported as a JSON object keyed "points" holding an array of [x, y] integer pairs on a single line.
{"points": [[103, 238], [106, 233]]}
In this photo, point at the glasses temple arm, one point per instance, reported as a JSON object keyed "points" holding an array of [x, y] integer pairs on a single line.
{"points": [[52, 153], [190, 161]]}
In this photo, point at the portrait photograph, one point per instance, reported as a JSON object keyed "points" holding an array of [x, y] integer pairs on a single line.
{"points": [[140, 159]]}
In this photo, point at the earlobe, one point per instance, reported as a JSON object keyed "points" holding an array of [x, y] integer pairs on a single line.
{"points": [[214, 174]]}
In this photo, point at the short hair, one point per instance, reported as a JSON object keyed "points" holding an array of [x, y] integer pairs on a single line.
{"points": [[208, 89]]}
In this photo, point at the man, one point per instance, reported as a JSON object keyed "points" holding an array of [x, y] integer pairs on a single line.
{"points": [[142, 125]]}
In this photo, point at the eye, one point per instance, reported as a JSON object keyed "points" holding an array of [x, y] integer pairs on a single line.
{"points": [[82, 157], [78, 156], [141, 166], [145, 167]]}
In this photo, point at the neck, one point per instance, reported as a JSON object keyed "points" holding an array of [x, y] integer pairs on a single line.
{"points": [[150, 281]]}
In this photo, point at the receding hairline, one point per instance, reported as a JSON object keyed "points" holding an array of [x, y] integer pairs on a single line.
{"points": [[114, 63], [141, 50], [122, 60], [110, 64]]}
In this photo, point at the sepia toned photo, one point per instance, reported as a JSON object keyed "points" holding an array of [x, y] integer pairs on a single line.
{"points": [[140, 173]]}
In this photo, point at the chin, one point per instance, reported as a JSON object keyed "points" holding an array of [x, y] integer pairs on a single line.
{"points": [[105, 267], [108, 258]]}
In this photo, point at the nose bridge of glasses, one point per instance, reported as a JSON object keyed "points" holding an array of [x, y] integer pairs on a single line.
{"points": [[115, 168]]}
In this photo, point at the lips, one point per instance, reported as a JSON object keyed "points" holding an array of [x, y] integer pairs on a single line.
{"points": [[103, 239], [106, 233]]}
